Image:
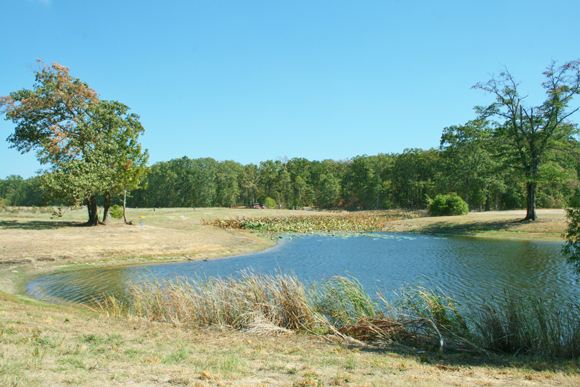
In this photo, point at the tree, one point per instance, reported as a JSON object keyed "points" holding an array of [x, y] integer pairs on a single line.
{"points": [[88, 143], [531, 131], [470, 163], [129, 165]]}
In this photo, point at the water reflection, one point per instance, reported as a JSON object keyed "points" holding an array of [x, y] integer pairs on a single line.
{"points": [[460, 266]]}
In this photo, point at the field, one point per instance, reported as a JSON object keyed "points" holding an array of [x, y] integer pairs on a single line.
{"points": [[44, 344]]}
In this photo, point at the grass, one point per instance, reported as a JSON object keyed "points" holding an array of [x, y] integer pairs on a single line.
{"points": [[43, 344], [421, 318], [550, 226]]}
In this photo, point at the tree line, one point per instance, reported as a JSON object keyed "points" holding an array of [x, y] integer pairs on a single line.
{"points": [[511, 155], [468, 163]]}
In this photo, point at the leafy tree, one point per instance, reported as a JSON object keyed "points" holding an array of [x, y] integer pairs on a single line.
{"points": [[531, 131], [250, 183], [330, 191], [12, 190], [87, 143], [413, 176], [299, 170], [470, 164], [119, 133], [227, 181]]}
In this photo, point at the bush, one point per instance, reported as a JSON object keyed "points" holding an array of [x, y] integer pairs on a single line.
{"points": [[571, 248], [116, 212], [444, 205], [270, 203]]}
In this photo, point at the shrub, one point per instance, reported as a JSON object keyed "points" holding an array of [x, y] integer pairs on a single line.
{"points": [[571, 248], [116, 212], [448, 205], [270, 203]]}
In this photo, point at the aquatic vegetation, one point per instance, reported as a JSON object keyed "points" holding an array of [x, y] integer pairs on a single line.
{"points": [[272, 304], [363, 221]]}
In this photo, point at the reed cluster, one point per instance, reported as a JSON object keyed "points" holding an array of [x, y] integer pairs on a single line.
{"points": [[341, 306], [363, 221]]}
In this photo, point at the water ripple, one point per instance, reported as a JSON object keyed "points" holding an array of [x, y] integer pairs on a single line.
{"points": [[460, 266]]}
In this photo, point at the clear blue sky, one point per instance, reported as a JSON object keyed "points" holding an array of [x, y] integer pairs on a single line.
{"points": [[256, 80]]}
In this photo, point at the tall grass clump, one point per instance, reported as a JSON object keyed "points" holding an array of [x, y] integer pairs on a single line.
{"points": [[509, 325], [529, 326], [433, 319], [281, 300], [420, 317], [343, 301]]}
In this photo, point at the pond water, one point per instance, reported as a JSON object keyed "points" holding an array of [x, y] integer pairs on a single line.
{"points": [[463, 267]]}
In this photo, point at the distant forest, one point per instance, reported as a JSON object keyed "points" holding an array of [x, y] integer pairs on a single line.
{"points": [[470, 162]]}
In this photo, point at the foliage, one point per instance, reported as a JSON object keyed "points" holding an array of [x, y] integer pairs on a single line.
{"points": [[270, 203], [16, 191], [344, 301], [444, 205], [117, 212], [571, 248], [352, 222], [90, 144], [528, 133], [471, 165]]}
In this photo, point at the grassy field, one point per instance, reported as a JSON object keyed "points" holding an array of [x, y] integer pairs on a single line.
{"points": [[43, 344]]}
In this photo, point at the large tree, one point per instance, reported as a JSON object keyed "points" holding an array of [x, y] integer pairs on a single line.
{"points": [[530, 132], [88, 144]]}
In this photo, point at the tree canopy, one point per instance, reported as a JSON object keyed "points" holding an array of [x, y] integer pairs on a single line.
{"points": [[92, 149]]}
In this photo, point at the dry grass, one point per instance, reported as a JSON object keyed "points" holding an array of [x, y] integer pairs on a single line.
{"points": [[499, 224], [42, 344], [33, 244], [340, 305]]}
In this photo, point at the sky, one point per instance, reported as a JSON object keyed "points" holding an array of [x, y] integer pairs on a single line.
{"points": [[251, 81]]}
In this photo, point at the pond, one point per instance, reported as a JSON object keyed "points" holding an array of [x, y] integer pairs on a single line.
{"points": [[463, 267]]}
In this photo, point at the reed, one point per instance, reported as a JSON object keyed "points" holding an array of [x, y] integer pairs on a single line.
{"points": [[340, 305], [280, 300], [529, 326]]}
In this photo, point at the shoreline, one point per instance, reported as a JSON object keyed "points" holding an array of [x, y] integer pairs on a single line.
{"points": [[16, 273], [43, 343]]}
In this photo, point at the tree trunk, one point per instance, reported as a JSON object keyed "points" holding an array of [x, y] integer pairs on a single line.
{"points": [[92, 209], [124, 207], [531, 201], [106, 207], [531, 189]]}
